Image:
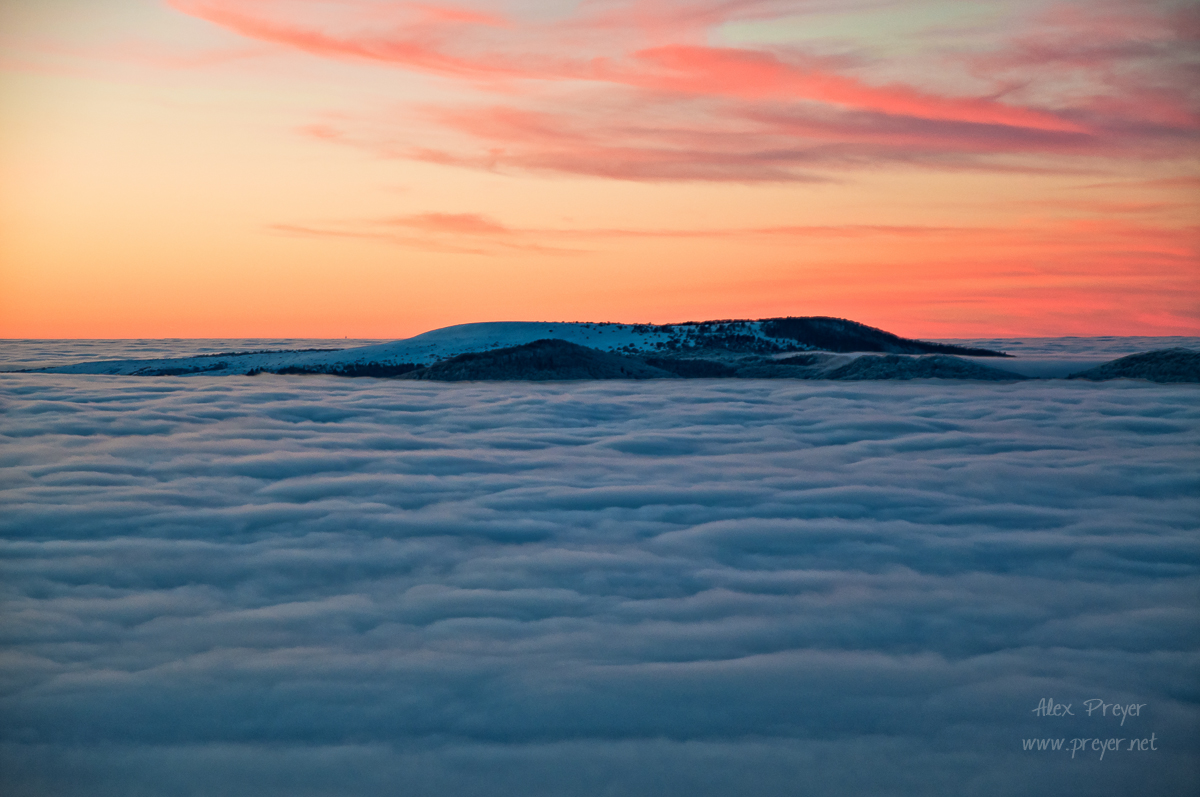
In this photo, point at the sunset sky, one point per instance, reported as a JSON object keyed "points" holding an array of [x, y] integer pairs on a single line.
{"points": [[363, 168]]}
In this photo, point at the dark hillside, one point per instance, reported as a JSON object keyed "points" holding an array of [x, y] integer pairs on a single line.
{"points": [[841, 335], [542, 360], [1164, 365], [892, 366]]}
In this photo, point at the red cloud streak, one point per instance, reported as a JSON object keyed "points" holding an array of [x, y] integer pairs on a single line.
{"points": [[692, 110]]}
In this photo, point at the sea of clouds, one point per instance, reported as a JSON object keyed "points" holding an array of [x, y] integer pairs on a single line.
{"points": [[320, 586], [17, 355]]}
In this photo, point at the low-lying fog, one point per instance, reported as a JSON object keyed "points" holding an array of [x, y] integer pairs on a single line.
{"points": [[323, 586]]}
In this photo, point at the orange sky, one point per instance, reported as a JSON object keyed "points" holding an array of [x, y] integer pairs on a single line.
{"points": [[361, 168]]}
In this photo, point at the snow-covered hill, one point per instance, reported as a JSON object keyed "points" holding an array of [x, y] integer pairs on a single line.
{"points": [[762, 337], [423, 349]]}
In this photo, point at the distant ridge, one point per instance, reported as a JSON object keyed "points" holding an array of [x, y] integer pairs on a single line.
{"points": [[539, 361], [1165, 365], [842, 335], [720, 343], [930, 366], [800, 333], [547, 360]]}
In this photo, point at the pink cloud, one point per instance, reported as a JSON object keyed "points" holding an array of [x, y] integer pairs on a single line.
{"points": [[454, 233], [745, 142], [1120, 65], [418, 49], [632, 90], [454, 223], [1110, 239], [424, 44], [757, 75]]}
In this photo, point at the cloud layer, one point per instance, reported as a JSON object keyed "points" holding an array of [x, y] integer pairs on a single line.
{"points": [[322, 586], [663, 91]]}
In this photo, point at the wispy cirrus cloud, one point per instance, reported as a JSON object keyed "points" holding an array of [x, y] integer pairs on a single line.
{"points": [[634, 91], [1080, 233], [451, 233], [1129, 68]]}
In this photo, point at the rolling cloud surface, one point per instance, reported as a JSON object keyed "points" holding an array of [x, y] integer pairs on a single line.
{"points": [[320, 586]]}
